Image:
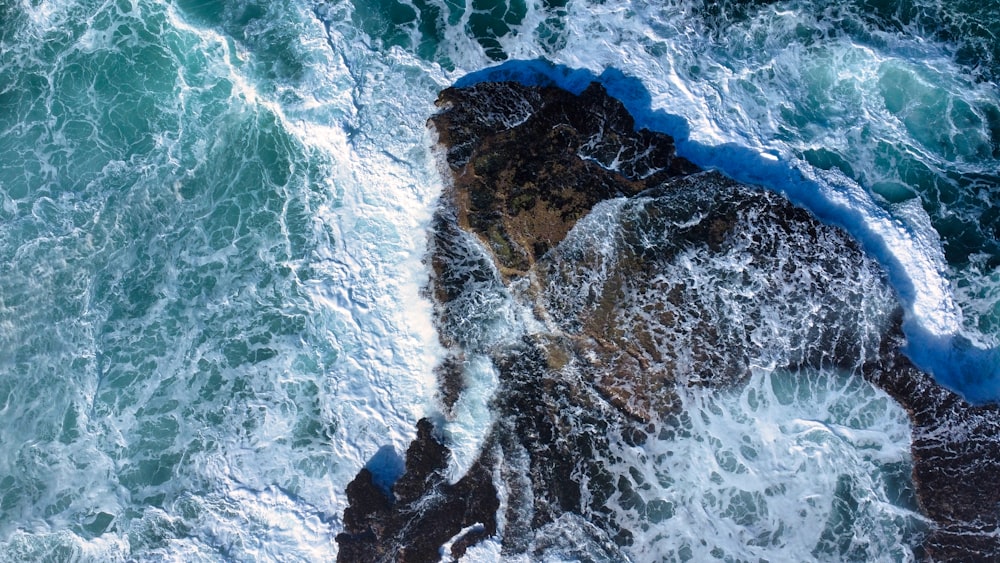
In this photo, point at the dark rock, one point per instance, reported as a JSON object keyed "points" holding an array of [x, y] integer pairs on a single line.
{"points": [[451, 378], [647, 275], [363, 520], [425, 511], [956, 458], [640, 332]]}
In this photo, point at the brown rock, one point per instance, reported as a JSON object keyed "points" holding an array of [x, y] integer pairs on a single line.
{"points": [[678, 283], [519, 208]]}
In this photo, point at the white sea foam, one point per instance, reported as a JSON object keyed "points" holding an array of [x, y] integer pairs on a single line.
{"points": [[472, 420], [757, 476], [371, 373]]}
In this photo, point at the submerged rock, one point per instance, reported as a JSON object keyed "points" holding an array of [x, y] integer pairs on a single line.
{"points": [[639, 276]]}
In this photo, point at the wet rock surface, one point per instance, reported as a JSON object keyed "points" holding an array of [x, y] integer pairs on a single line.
{"points": [[641, 276], [956, 459], [586, 144], [422, 511]]}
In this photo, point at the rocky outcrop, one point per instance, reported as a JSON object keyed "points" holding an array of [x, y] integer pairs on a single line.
{"points": [[956, 459], [421, 512], [496, 135], [641, 276]]}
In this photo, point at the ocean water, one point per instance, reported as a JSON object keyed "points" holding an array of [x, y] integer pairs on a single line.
{"points": [[213, 219]]}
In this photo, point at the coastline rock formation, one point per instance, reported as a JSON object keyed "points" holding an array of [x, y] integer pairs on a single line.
{"points": [[956, 459], [639, 276], [393, 525]]}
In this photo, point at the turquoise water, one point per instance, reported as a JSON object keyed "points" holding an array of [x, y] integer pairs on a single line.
{"points": [[168, 238], [212, 219]]}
